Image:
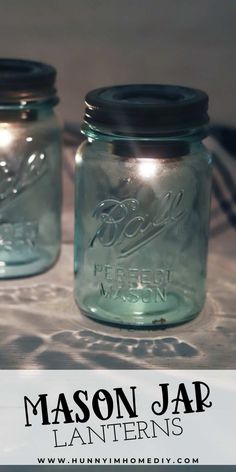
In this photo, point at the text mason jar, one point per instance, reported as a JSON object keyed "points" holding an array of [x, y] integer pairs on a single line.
{"points": [[143, 182], [30, 168]]}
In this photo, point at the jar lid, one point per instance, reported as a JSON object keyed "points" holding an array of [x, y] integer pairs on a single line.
{"points": [[146, 109], [22, 79]]}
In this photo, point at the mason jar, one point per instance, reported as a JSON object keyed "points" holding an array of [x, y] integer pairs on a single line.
{"points": [[30, 168], [143, 178]]}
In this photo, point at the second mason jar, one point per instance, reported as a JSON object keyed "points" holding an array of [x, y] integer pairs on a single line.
{"points": [[143, 180], [30, 168]]}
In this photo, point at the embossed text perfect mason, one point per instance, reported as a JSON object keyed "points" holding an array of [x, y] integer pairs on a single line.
{"points": [[143, 180]]}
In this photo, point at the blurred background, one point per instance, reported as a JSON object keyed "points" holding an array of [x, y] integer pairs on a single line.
{"points": [[94, 43]]}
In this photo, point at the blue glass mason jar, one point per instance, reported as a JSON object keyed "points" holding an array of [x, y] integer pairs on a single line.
{"points": [[30, 168], [143, 179]]}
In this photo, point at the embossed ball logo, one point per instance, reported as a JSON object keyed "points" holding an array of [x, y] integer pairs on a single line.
{"points": [[13, 183], [131, 225]]}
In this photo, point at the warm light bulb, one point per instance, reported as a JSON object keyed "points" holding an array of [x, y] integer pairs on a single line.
{"points": [[6, 138], [147, 168]]}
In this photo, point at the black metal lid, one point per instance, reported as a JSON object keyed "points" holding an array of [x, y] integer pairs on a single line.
{"points": [[146, 109], [21, 80]]}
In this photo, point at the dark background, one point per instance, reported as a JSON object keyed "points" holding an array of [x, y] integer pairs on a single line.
{"points": [[102, 42]]}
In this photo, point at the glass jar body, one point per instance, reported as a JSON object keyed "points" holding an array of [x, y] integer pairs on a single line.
{"points": [[30, 189], [141, 231]]}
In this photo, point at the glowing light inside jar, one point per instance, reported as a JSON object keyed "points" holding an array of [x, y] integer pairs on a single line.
{"points": [[6, 137], [147, 168]]}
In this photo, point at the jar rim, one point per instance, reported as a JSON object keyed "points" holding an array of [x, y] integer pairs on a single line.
{"points": [[24, 81], [146, 109], [93, 133]]}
